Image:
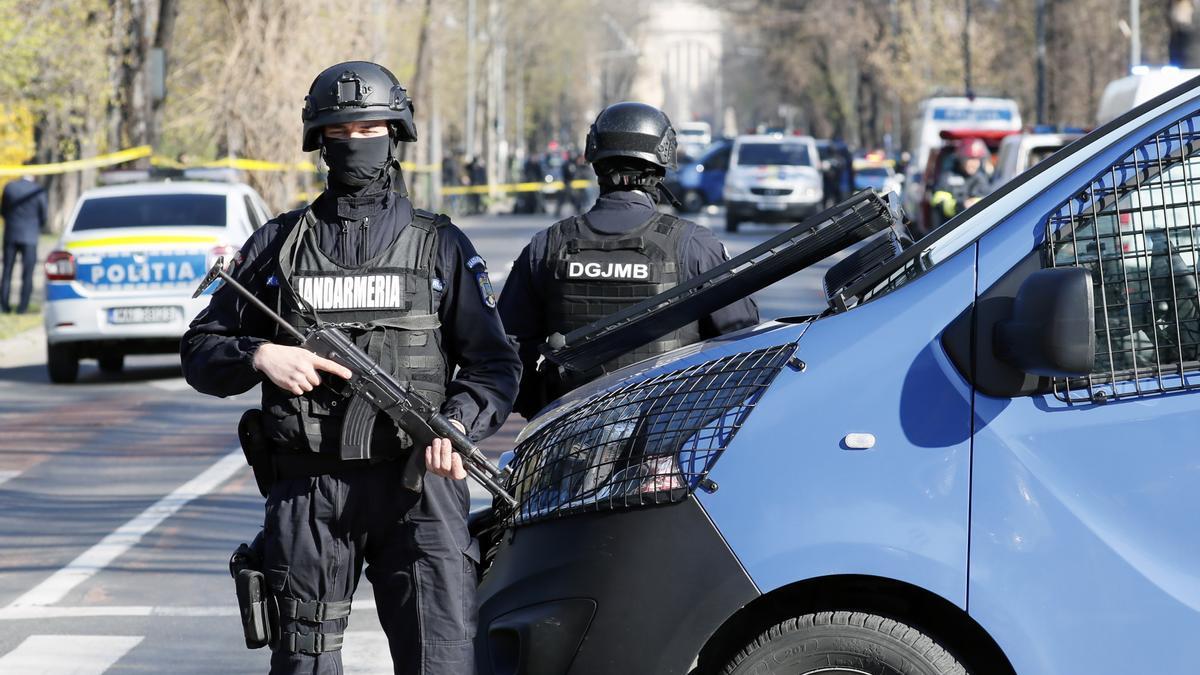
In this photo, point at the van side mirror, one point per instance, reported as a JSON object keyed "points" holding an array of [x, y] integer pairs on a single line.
{"points": [[1052, 331]]}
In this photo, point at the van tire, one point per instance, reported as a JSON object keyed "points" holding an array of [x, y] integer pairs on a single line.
{"points": [[111, 363], [62, 363], [857, 641], [692, 201], [731, 223]]}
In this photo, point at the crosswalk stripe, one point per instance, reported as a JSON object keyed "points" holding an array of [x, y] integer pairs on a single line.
{"points": [[8, 475], [128, 535], [67, 654]]}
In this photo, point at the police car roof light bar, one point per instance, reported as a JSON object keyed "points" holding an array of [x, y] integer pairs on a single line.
{"points": [[805, 244]]}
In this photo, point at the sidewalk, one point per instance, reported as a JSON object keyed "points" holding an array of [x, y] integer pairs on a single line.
{"points": [[28, 347]]}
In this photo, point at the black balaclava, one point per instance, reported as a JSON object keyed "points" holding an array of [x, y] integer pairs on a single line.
{"points": [[356, 162]]}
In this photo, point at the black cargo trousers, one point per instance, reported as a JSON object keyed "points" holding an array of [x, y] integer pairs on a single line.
{"points": [[420, 559]]}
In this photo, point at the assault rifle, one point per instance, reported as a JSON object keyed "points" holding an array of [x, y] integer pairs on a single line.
{"points": [[375, 391]]}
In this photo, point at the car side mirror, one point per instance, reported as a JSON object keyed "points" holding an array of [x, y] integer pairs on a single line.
{"points": [[1052, 330]]}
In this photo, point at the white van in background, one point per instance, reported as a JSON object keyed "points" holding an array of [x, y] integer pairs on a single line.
{"points": [[942, 113], [693, 138], [1143, 84]]}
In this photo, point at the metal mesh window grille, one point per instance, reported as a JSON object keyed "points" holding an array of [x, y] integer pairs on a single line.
{"points": [[648, 442], [1136, 227]]}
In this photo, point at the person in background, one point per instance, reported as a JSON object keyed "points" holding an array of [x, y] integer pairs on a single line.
{"points": [[959, 188], [23, 207], [620, 252]]}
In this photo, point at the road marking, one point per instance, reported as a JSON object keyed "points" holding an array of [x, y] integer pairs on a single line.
{"points": [[7, 475], [61, 654], [117, 611], [176, 384], [128, 535]]}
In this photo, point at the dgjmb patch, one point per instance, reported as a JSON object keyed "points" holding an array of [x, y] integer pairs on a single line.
{"points": [[479, 268]]}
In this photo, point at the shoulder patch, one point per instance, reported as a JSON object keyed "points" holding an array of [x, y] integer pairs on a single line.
{"points": [[476, 261]]}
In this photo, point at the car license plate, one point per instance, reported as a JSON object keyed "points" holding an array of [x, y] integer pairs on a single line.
{"points": [[771, 206], [141, 314]]}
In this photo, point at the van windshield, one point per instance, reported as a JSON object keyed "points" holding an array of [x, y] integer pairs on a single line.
{"points": [[167, 210], [774, 154]]}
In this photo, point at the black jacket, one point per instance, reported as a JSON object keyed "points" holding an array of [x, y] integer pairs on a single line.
{"points": [[23, 207], [522, 304], [218, 349]]}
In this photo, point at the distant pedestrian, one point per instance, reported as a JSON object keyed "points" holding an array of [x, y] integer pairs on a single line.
{"points": [[23, 207], [570, 170]]}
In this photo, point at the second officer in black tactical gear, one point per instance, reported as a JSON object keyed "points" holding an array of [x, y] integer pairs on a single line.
{"points": [[410, 289], [620, 252]]}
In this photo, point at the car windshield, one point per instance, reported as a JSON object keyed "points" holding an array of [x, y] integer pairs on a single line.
{"points": [[173, 210], [774, 154]]}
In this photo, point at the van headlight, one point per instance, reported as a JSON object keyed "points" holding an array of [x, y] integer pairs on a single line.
{"points": [[651, 441]]}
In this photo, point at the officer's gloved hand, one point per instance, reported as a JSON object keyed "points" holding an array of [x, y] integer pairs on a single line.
{"points": [[442, 460], [294, 369]]}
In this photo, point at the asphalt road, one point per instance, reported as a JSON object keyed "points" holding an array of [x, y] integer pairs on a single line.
{"points": [[121, 498]]}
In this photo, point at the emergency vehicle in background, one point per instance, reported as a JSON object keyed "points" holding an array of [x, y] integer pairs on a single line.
{"points": [[121, 277], [943, 113], [941, 160]]}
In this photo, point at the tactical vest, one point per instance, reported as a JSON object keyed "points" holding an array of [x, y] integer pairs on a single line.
{"points": [[388, 306], [596, 274]]}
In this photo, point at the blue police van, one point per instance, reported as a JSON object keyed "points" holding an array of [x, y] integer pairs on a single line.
{"points": [[982, 457]]}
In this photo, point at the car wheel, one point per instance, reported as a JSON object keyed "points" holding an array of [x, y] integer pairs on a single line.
{"points": [[693, 201], [843, 643], [62, 362], [731, 223], [111, 363]]}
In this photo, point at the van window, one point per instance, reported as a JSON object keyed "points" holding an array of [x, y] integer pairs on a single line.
{"points": [[177, 210], [1136, 228], [774, 154]]}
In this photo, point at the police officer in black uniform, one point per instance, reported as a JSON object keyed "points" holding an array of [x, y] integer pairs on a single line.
{"points": [[411, 290], [620, 252]]}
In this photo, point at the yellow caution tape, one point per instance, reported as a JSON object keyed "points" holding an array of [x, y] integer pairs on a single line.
{"points": [[141, 151], [75, 164], [141, 239], [512, 187]]}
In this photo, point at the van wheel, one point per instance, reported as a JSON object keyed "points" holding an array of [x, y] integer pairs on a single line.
{"points": [[62, 362], [731, 223], [843, 643], [111, 363], [692, 201]]}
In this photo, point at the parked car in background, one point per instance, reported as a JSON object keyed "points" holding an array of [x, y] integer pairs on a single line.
{"points": [[693, 139], [1020, 152], [1141, 85], [876, 174], [701, 182], [772, 179], [120, 279]]}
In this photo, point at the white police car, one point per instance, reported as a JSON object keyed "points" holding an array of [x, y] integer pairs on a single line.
{"points": [[121, 278]]}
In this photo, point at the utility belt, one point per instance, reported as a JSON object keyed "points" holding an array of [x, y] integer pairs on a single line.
{"points": [[262, 611], [270, 465]]}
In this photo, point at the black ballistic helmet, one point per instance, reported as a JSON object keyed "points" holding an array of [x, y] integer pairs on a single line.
{"points": [[357, 91], [632, 130]]}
